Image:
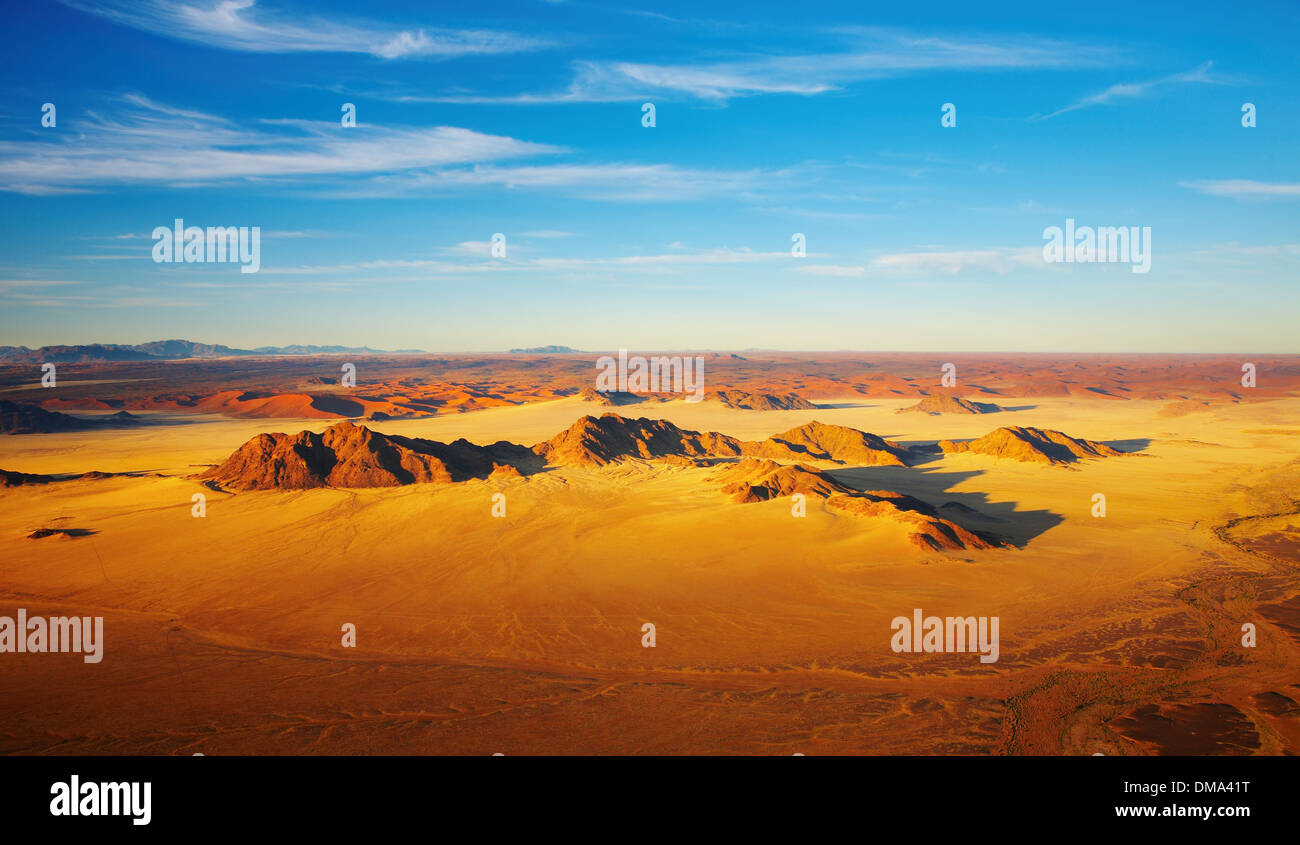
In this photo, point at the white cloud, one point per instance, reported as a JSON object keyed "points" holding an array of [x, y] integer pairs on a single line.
{"points": [[671, 259], [1132, 90], [616, 182], [241, 25], [834, 270], [155, 144], [871, 54], [301, 233], [998, 260], [482, 251], [1247, 252], [11, 284], [1245, 188], [18, 292], [470, 249]]}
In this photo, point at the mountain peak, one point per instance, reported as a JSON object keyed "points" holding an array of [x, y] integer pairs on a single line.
{"points": [[351, 455], [946, 403], [1031, 444], [596, 441]]}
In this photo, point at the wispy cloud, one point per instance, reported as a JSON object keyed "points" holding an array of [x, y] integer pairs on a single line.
{"points": [[997, 260], [869, 54], [148, 143], [301, 233], [1245, 188], [34, 293], [482, 250], [13, 284], [243, 25], [1134, 90], [111, 257], [469, 249], [152, 143], [614, 182], [707, 257], [835, 270]]}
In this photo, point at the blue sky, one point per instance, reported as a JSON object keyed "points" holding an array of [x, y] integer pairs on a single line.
{"points": [[525, 118]]}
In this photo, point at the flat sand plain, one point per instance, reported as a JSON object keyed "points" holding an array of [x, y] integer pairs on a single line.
{"points": [[522, 634]]}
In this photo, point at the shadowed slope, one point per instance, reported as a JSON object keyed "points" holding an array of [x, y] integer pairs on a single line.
{"points": [[24, 418], [831, 443], [946, 403], [754, 480], [596, 441], [30, 418], [348, 455], [744, 400], [9, 478]]}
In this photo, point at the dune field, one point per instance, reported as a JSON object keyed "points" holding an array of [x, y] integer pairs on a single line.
{"points": [[513, 623]]}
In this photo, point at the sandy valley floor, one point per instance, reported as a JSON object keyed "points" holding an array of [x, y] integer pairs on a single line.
{"points": [[522, 634]]}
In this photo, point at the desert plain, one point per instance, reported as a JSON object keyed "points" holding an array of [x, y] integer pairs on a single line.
{"points": [[513, 624]]}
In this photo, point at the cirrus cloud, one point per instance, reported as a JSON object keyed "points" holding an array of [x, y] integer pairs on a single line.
{"points": [[241, 25]]}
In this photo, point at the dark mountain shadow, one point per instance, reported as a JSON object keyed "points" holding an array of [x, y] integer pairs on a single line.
{"points": [[837, 405], [972, 511], [151, 420], [96, 475], [338, 405], [921, 451], [616, 398], [1136, 444], [66, 532], [1019, 407]]}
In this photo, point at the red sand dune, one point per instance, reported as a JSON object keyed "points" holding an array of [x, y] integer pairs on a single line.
{"points": [[420, 385]]}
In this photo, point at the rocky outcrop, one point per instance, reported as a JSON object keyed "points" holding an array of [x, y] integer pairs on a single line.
{"points": [[744, 400], [836, 443], [755, 480], [596, 441], [1031, 444], [946, 403], [349, 455]]}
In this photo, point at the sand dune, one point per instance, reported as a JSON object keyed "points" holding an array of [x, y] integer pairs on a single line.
{"points": [[403, 386], [521, 633]]}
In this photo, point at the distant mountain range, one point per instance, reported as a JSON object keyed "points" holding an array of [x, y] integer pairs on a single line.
{"points": [[171, 350], [544, 350]]}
